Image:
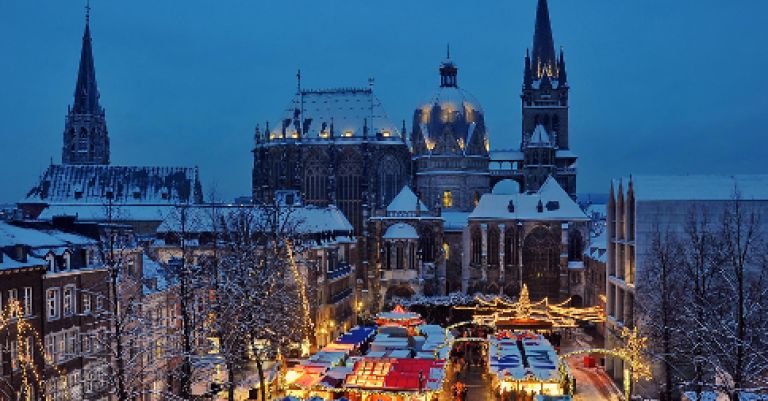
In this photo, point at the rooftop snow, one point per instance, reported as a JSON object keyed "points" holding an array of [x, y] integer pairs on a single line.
{"points": [[305, 220], [405, 201], [697, 187], [346, 108], [494, 206], [12, 235], [401, 231], [126, 184], [506, 155]]}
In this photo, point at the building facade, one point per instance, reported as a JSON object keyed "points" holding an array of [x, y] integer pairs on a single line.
{"points": [[536, 239], [642, 207], [61, 287]]}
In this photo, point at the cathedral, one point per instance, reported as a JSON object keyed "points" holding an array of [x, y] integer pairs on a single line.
{"points": [[438, 211], [85, 180]]}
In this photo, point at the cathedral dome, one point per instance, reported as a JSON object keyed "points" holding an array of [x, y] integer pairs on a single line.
{"points": [[451, 121]]}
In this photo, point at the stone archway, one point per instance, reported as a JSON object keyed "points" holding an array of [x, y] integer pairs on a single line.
{"points": [[398, 291], [541, 264]]}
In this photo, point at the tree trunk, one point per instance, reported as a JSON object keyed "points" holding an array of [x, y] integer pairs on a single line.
{"points": [[262, 379]]}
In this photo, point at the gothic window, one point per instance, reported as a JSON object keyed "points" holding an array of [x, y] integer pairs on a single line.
{"points": [[575, 245], [82, 142], [427, 245], [475, 198], [411, 255], [510, 248], [447, 199], [477, 247], [556, 124], [349, 188], [315, 180], [541, 264], [390, 173], [493, 246], [399, 256], [388, 255]]}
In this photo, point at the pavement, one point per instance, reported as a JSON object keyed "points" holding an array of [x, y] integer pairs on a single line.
{"points": [[592, 384]]}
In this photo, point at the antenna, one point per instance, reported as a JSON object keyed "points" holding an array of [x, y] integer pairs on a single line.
{"points": [[301, 101], [448, 51], [370, 85]]}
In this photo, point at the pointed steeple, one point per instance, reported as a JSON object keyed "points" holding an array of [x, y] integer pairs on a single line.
{"points": [[86, 139], [528, 74], [544, 61], [562, 75], [86, 91]]}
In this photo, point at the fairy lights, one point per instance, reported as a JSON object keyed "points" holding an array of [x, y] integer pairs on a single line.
{"points": [[495, 310], [27, 339], [307, 324]]}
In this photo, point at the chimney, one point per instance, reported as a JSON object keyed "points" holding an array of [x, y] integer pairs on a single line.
{"points": [[20, 253]]}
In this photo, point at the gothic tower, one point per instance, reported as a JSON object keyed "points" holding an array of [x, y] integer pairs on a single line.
{"points": [[545, 112], [86, 140]]}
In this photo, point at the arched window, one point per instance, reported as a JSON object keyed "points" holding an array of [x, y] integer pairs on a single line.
{"points": [[447, 199], [475, 198], [477, 247], [510, 248], [493, 246], [388, 255], [399, 256], [556, 124], [575, 245], [390, 177], [541, 264], [427, 245]]}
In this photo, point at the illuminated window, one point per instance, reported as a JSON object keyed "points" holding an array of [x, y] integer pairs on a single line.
{"points": [[475, 199], [386, 134], [447, 250], [347, 133], [447, 199]]}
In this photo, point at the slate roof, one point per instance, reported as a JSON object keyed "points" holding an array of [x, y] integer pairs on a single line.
{"points": [[346, 108], [92, 184]]}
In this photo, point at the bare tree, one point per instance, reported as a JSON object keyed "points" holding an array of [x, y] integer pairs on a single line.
{"points": [[741, 340], [660, 310]]}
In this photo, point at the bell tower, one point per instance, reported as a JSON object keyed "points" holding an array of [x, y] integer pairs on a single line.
{"points": [[545, 144], [86, 140]]}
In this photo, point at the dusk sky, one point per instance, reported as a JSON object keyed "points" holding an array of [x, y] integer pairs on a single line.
{"points": [[657, 86]]}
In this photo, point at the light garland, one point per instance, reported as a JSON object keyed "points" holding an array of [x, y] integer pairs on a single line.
{"points": [[302, 294], [13, 316]]}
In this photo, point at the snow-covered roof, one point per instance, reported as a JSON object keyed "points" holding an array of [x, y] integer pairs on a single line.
{"points": [[506, 187], [455, 220], [154, 273], [346, 108], [405, 201], [453, 98], [85, 184], [38, 238], [565, 153], [401, 231], [40, 241], [555, 205], [304, 219], [598, 247], [697, 187], [98, 212]]}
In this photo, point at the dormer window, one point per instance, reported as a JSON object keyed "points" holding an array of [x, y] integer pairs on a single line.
{"points": [[67, 260]]}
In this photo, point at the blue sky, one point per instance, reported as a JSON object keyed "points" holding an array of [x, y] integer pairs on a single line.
{"points": [[658, 86]]}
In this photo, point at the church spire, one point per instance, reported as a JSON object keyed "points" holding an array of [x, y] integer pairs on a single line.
{"points": [[86, 91], [86, 140], [544, 61]]}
